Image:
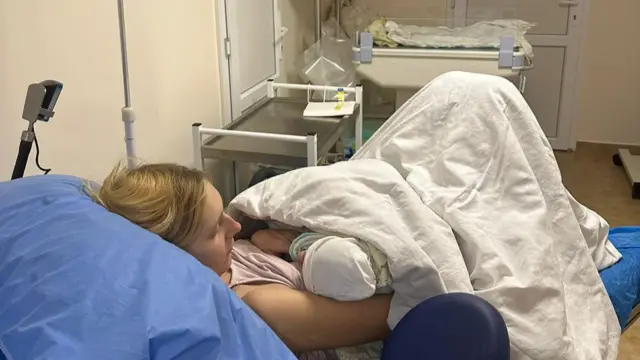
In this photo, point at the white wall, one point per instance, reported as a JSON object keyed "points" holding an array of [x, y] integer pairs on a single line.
{"points": [[610, 95], [174, 79]]}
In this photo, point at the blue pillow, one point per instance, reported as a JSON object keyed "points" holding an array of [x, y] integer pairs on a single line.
{"points": [[78, 282]]}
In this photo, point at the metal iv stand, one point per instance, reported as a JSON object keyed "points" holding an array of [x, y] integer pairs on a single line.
{"points": [[128, 115], [318, 18]]}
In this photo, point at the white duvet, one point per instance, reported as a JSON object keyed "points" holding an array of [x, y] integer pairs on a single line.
{"points": [[461, 191]]}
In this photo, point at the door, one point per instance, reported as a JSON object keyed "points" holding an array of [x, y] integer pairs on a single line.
{"points": [[552, 83], [250, 53]]}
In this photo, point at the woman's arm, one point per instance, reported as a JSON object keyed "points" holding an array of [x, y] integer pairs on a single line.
{"points": [[306, 322]]}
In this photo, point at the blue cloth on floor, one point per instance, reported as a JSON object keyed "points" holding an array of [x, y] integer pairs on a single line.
{"points": [[78, 282], [622, 280]]}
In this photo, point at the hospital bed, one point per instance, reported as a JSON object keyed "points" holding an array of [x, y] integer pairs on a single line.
{"points": [[112, 290]]}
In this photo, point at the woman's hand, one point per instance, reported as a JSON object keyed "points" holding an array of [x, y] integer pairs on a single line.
{"points": [[306, 322], [274, 242]]}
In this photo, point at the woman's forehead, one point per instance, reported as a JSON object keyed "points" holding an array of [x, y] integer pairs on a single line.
{"points": [[213, 203]]}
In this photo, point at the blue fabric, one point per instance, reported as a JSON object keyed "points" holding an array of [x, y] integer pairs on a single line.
{"points": [[622, 280], [449, 326], [78, 282]]}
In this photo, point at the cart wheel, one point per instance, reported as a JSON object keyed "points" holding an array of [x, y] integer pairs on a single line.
{"points": [[617, 160]]}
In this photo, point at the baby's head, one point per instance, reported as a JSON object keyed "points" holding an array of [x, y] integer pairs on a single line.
{"points": [[176, 203]]}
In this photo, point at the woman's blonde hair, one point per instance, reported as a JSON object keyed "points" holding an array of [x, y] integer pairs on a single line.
{"points": [[166, 199]]}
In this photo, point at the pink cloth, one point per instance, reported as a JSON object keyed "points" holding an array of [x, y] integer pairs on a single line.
{"points": [[251, 265]]}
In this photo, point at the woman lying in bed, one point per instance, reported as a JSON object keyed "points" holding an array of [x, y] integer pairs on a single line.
{"points": [[182, 207]]}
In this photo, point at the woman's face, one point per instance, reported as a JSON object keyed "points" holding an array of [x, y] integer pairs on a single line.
{"points": [[213, 243]]}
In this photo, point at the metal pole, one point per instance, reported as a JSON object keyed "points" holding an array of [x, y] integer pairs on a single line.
{"points": [[318, 20], [360, 118], [338, 13], [196, 139], [314, 87], [254, 134], [123, 51], [312, 149], [128, 115]]}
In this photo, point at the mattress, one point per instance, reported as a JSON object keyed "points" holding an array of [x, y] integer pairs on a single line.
{"points": [[622, 280]]}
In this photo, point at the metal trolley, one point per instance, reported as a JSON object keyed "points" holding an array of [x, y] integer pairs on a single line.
{"points": [[274, 131]]}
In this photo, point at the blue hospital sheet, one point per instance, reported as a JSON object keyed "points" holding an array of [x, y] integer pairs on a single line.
{"points": [[622, 280], [78, 282]]}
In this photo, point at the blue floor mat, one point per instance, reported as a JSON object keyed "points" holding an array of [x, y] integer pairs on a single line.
{"points": [[622, 280]]}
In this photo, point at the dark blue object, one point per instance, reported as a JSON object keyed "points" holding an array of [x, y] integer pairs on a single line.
{"points": [[449, 326]]}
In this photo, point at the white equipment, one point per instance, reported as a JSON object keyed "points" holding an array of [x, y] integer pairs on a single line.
{"points": [[38, 106]]}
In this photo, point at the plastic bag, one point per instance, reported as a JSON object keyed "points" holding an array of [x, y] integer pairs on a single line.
{"points": [[328, 62]]}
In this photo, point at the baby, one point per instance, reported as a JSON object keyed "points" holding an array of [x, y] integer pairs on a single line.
{"points": [[341, 268]]}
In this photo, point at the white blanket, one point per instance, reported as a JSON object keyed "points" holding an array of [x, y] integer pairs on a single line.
{"points": [[465, 156], [483, 34]]}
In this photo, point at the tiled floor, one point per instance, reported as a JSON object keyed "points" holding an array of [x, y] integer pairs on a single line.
{"points": [[593, 179]]}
